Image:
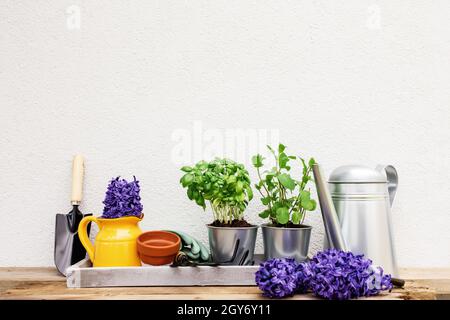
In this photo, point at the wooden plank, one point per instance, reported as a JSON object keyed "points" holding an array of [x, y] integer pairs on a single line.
{"points": [[55, 290], [45, 283], [58, 290], [424, 273], [234, 297], [24, 274]]}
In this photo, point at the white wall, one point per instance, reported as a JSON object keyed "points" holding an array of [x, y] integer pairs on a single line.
{"points": [[344, 81]]}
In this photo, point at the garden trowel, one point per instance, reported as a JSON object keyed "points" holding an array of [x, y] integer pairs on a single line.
{"points": [[68, 248]]}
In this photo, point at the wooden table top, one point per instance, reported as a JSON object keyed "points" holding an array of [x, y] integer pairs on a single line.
{"points": [[46, 283]]}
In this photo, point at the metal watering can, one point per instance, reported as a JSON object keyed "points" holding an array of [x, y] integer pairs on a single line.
{"points": [[356, 210]]}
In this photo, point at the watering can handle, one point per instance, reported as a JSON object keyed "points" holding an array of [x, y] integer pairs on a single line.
{"points": [[392, 180]]}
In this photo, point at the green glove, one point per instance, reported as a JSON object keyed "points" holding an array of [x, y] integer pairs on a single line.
{"points": [[193, 248]]}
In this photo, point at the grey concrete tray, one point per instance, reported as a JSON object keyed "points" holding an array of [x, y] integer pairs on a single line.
{"points": [[83, 275]]}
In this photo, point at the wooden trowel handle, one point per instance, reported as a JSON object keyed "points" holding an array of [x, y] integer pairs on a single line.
{"points": [[77, 179]]}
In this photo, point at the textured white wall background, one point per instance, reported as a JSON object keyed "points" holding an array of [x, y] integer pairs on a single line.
{"points": [[344, 81]]}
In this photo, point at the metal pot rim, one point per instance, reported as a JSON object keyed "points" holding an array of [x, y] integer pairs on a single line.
{"points": [[233, 228], [356, 182], [304, 227]]}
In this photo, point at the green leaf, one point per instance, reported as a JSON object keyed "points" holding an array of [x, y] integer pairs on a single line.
{"points": [[273, 214], [282, 215], [283, 159], [305, 179], [281, 148], [309, 205], [249, 193], [265, 201], [286, 180], [200, 201], [276, 205], [305, 167], [269, 177], [198, 180], [240, 197], [239, 187], [296, 217], [202, 165], [190, 193], [314, 204], [312, 162], [186, 169], [265, 214], [231, 179], [270, 185], [305, 196], [207, 196], [257, 161], [187, 179]]}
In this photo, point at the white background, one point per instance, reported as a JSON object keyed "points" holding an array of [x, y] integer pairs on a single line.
{"points": [[344, 81]]}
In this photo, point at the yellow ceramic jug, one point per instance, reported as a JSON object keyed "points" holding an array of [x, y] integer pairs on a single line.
{"points": [[115, 243]]}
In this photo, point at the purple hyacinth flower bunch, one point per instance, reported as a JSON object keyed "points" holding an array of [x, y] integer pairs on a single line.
{"points": [[122, 199], [277, 278], [330, 274], [340, 275]]}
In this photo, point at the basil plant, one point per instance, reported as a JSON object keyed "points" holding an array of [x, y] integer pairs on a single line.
{"points": [[223, 183], [287, 199]]}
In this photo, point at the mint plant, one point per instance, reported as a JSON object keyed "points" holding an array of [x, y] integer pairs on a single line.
{"points": [[287, 199], [224, 183]]}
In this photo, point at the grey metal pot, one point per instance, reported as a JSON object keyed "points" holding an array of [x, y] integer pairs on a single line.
{"points": [[223, 242], [286, 242]]}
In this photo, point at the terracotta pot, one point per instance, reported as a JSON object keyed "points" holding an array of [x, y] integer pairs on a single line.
{"points": [[158, 247]]}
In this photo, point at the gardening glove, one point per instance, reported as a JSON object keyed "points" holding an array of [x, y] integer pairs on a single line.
{"points": [[193, 248]]}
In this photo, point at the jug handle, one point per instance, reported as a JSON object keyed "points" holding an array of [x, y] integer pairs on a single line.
{"points": [[392, 179], [83, 235]]}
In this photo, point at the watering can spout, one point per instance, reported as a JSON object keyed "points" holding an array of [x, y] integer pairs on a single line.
{"points": [[329, 215]]}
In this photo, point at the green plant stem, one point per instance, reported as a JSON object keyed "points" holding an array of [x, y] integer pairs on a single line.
{"points": [[225, 213], [264, 186], [303, 214], [278, 171], [302, 187]]}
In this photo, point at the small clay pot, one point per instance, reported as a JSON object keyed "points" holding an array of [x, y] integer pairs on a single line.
{"points": [[158, 247]]}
